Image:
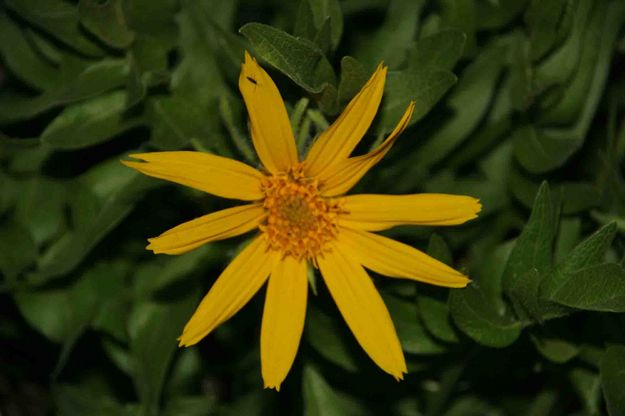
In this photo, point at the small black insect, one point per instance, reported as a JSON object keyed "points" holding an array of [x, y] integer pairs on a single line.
{"points": [[252, 80]]}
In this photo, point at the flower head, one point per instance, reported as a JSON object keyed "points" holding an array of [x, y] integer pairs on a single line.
{"points": [[303, 219]]}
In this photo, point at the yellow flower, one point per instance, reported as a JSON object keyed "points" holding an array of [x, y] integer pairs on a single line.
{"points": [[304, 219]]}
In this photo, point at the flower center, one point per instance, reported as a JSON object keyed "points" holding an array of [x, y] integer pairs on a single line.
{"points": [[299, 221]]}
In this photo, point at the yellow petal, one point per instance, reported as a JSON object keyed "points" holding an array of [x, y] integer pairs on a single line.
{"points": [[283, 319], [270, 125], [363, 309], [394, 259], [206, 172], [379, 212], [341, 177], [232, 290], [339, 140], [212, 227]]}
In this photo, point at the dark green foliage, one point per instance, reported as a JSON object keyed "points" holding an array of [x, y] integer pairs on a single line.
{"points": [[518, 102]]}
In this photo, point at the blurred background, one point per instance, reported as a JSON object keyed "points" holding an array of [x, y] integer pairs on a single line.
{"points": [[518, 102]]}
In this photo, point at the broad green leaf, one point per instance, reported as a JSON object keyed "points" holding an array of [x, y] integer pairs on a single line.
{"points": [[59, 19], [154, 18], [556, 349], [472, 311], [587, 384], [441, 50], [191, 406], [432, 301], [69, 250], [161, 273], [217, 29], [22, 59], [175, 121], [425, 89], [594, 288], [589, 252], [313, 16], [436, 319], [353, 77], [558, 67], [479, 310], [63, 314], [231, 110], [326, 336], [320, 399], [568, 237], [72, 400], [498, 13], [154, 328], [469, 101], [89, 122], [412, 335], [613, 378], [532, 255], [543, 149], [299, 59], [581, 96], [40, 207], [18, 250], [106, 21], [544, 19], [92, 81], [391, 42], [461, 14]]}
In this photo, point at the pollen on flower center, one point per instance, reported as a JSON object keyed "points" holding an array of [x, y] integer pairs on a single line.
{"points": [[299, 221]]}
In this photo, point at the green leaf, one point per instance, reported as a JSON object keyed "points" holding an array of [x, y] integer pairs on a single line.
{"points": [[91, 81], [595, 288], [161, 273], [412, 335], [432, 301], [589, 252], [390, 43], [313, 16], [299, 59], [326, 336], [22, 58], [153, 332], [17, 250], [320, 399], [106, 21], [461, 14], [441, 50], [588, 387], [532, 256], [479, 310], [543, 20], [119, 189], [556, 349], [543, 149], [353, 77], [59, 19], [63, 314], [40, 207], [497, 14], [231, 110], [425, 80], [479, 319], [613, 379], [469, 101], [425, 89], [78, 400], [89, 122], [191, 406]]}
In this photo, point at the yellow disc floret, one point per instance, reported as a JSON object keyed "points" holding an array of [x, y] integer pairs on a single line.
{"points": [[299, 221]]}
